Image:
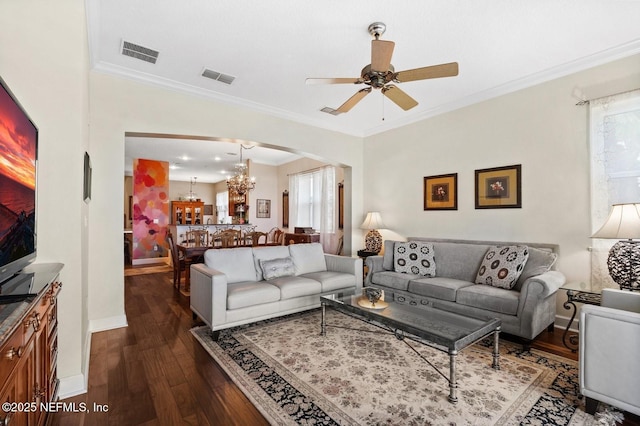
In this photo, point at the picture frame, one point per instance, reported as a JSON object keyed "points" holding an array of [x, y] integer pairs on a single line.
{"points": [[440, 192], [264, 208], [499, 187], [285, 209], [340, 205], [86, 184], [208, 210]]}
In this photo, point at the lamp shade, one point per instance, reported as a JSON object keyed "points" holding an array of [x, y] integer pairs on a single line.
{"points": [[623, 223], [372, 221]]}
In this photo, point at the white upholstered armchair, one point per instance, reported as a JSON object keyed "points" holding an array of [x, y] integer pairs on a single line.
{"points": [[610, 350]]}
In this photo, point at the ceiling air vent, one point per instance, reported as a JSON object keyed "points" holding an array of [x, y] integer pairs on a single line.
{"points": [[139, 52], [218, 76]]}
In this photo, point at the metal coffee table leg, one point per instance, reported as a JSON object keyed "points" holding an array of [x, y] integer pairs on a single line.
{"points": [[453, 381], [496, 350], [323, 323]]}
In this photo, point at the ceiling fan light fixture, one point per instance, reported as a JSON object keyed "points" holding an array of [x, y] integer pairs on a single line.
{"points": [[331, 111]]}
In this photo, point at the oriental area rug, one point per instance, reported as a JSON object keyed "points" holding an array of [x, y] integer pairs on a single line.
{"points": [[359, 375]]}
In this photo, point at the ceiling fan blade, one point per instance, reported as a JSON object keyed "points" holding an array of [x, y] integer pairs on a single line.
{"points": [[352, 101], [381, 52], [334, 80], [400, 98], [434, 71]]}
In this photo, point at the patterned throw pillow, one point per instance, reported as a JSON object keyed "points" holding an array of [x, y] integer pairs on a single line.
{"points": [[502, 265], [414, 257], [276, 268]]}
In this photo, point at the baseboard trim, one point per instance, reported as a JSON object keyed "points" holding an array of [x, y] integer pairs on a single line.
{"points": [[72, 386], [562, 322], [79, 384], [104, 324]]}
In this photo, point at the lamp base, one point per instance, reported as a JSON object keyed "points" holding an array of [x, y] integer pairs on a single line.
{"points": [[624, 264], [373, 241]]}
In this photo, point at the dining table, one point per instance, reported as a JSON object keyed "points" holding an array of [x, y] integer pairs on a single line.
{"points": [[192, 253]]}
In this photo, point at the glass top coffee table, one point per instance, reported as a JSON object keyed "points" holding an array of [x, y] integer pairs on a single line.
{"points": [[446, 331]]}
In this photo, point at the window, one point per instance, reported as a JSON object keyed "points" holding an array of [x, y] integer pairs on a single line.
{"points": [[615, 167], [222, 206], [313, 199]]}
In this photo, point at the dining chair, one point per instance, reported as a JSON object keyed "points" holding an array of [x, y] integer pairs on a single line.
{"points": [[199, 237], [177, 260], [257, 236], [230, 238], [278, 237]]}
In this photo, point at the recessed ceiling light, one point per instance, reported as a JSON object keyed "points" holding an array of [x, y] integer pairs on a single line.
{"points": [[184, 158], [217, 158]]}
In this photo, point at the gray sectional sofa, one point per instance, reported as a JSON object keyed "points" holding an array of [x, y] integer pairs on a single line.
{"points": [[526, 309], [241, 285]]}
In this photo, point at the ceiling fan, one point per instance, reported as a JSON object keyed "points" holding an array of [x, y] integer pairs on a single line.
{"points": [[380, 74]]}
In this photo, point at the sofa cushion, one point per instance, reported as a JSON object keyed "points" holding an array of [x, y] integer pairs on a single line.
{"points": [[502, 265], [459, 260], [308, 258], [295, 286], [250, 293], [268, 253], [236, 263], [414, 257], [438, 287], [539, 262], [391, 279], [490, 298], [331, 280], [276, 268]]}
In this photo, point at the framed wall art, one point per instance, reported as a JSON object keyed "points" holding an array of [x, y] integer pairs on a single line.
{"points": [[264, 209], [285, 209], [499, 187], [441, 192], [86, 183]]}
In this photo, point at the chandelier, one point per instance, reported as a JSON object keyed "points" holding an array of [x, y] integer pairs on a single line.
{"points": [[192, 196], [241, 183]]}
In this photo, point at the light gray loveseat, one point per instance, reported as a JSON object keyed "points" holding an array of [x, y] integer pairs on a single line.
{"points": [[230, 288], [525, 310]]}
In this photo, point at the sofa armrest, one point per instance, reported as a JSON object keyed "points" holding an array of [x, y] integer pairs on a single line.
{"points": [[550, 282], [374, 264], [348, 265], [609, 369], [621, 299], [208, 294]]}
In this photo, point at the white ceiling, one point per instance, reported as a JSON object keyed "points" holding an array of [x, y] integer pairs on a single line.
{"points": [[271, 47], [209, 161]]}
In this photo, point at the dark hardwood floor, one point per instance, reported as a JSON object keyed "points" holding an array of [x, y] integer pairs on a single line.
{"points": [[154, 372]]}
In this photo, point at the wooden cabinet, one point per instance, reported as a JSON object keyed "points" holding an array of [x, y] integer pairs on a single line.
{"points": [[238, 208], [301, 238], [187, 212], [28, 360]]}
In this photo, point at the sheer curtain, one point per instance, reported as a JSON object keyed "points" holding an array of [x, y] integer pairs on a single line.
{"points": [[312, 200], [222, 206], [615, 168]]}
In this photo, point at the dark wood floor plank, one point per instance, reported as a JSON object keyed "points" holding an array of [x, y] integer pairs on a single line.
{"points": [[154, 372]]}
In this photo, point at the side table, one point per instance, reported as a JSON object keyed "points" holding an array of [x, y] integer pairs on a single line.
{"points": [[577, 292], [364, 254]]}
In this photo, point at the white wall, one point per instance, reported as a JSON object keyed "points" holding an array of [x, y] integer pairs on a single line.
{"points": [[540, 128], [118, 105], [48, 72]]}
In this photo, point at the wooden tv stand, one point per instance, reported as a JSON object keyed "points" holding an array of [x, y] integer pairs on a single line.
{"points": [[29, 350]]}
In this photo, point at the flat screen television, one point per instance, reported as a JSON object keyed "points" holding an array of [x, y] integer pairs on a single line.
{"points": [[18, 160]]}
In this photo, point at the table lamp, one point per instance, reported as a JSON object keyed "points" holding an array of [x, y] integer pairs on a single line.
{"points": [[624, 257], [373, 239]]}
